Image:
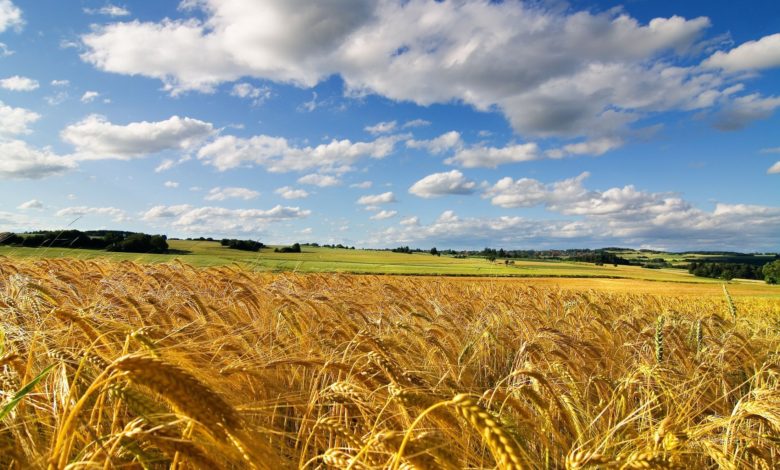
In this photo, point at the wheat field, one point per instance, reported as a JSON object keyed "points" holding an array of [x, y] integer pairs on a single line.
{"points": [[124, 365]]}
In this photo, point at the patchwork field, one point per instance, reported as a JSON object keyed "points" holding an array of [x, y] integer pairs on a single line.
{"points": [[331, 260], [115, 364]]}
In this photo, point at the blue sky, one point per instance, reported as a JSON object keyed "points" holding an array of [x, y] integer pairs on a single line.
{"points": [[377, 124]]}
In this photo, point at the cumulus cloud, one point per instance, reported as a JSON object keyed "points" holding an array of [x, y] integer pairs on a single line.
{"points": [[31, 204], [631, 216], [383, 214], [774, 169], [61, 83], [15, 121], [171, 184], [443, 143], [257, 95], [19, 83], [108, 10], [116, 215], [288, 192], [416, 123], [5, 51], [678, 227], [374, 199], [219, 219], [477, 53], [96, 138], [411, 221], [491, 157], [589, 147], [89, 96], [277, 155], [14, 222], [10, 16], [382, 127], [570, 197], [165, 165], [19, 160], [745, 109], [220, 194], [752, 55], [440, 184], [362, 185], [323, 181]]}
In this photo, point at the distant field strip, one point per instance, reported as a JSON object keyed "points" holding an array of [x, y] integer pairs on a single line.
{"points": [[330, 260]]}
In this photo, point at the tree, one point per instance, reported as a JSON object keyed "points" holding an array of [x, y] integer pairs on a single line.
{"points": [[771, 272], [434, 251]]}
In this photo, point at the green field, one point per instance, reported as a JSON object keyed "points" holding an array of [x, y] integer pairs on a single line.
{"points": [[317, 259], [682, 259]]}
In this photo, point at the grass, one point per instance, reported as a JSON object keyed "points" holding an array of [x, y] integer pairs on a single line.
{"points": [[314, 260], [107, 364]]}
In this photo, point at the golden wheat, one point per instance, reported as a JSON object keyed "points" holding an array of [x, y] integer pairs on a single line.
{"points": [[106, 364]]}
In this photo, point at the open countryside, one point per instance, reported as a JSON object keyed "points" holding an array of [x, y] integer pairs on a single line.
{"points": [[389, 235]]}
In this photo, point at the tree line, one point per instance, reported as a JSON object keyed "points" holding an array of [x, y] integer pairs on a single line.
{"points": [[769, 272], [245, 245], [109, 240]]}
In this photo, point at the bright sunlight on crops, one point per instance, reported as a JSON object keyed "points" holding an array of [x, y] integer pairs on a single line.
{"points": [[123, 365]]}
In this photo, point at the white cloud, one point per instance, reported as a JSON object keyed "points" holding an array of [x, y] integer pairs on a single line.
{"points": [[89, 96], [117, 215], [15, 222], [19, 83], [60, 83], [10, 16], [678, 226], [258, 95], [411, 221], [220, 194], [221, 220], [96, 138], [752, 55], [491, 55], [310, 105], [164, 165], [771, 150], [491, 157], [171, 184], [362, 185], [743, 110], [15, 121], [382, 215], [288, 192], [108, 10], [774, 169], [374, 199], [277, 155], [57, 98], [447, 141], [31, 204], [323, 181], [590, 147], [5, 51], [19, 160], [382, 127], [416, 123], [570, 197], [440, 184]]}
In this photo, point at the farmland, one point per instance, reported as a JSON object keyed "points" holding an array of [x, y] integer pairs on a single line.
{"points": [[317, 259], [115, 363]]}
